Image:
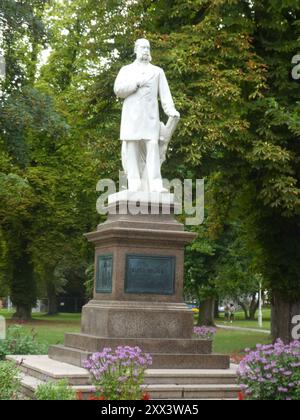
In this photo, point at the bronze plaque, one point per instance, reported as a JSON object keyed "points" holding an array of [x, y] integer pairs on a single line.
{"points": [[150, 275], [104, 274]]}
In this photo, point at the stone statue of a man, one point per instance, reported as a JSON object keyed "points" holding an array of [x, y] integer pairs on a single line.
{"points": [[140, 84]]}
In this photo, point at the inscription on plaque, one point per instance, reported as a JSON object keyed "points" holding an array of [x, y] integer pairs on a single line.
{"points": [[104, 274], [150, 274]]}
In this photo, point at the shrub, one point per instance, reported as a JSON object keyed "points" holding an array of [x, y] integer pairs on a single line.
{"points": [[19, 342], [10, 383], [55, 391], [271, 372], [205, 333], [119, 375]]}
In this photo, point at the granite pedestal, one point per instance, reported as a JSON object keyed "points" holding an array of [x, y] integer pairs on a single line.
{"points": [[138, 295]]}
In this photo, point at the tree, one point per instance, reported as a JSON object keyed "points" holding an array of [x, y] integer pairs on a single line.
{"points": [[239, 269], [52, 141], [33, 135], [230, 62], [223, 266], [17, 270], [200, 264], [274, 158]]}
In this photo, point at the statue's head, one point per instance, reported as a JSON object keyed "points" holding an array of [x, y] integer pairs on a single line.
{"points": [[142, 50]]}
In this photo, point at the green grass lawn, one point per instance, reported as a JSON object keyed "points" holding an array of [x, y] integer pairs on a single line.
{"points": [[241, 322], [235, 342], [51, 330]]}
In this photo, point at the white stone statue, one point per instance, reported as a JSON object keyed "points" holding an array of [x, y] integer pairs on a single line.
{"points": [[145, 139]]}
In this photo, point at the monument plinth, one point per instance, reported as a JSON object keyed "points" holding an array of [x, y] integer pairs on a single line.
{"points": [[138, 295], [139, 278]]}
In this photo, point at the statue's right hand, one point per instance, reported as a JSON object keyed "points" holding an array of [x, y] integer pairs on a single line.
{"points": [[139, 83], [175, 114]]}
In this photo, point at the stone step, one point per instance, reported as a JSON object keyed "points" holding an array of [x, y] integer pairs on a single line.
{"points": [[160, 361], [180, 392], [29, 385], [93, 344], [198, 392], [162, 384], [45, 369], [191, 376], [157, 392], [68, 355]]}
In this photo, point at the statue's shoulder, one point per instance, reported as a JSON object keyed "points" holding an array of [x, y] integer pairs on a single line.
{"points": [[157, 69], [127, 67]]}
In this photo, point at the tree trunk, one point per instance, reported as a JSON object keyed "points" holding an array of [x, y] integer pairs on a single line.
{"points": [[52, 300], [245, 309], [23, 285], [206, 314], [216, 311], [283, 313], [23, 313], [253, 308]]}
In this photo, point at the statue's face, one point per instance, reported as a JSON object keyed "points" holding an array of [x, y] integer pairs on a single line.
{"points": [[143, 51]]}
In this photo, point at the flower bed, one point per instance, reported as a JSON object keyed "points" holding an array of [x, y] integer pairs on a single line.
{"points": [[205, 333], [119, 375], [271, 372]]}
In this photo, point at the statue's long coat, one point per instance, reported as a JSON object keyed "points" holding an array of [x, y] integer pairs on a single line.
{"points": [[140, 116]]}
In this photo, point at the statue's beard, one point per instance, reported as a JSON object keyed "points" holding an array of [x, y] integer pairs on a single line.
{"points": [[146, 58]]}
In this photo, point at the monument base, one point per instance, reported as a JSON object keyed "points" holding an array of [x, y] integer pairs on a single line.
{"points": [[76, 357], [141, 197], [138, 296], [118, 319]]}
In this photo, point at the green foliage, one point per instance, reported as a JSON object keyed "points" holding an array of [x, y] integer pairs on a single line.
{"points": [[23, 286], [22, 34], [3, 265], [10, 383], [229, 63], [18, 341], [89, 283], [55, 391], [47, 176], [28, 121]]}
